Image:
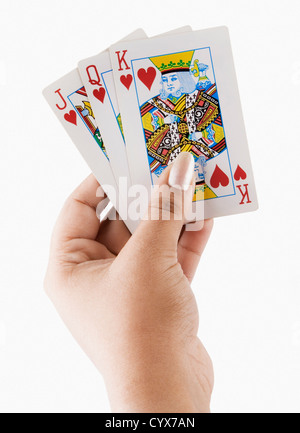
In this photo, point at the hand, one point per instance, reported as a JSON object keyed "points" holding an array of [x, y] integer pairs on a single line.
{"points": [[128, 302]]}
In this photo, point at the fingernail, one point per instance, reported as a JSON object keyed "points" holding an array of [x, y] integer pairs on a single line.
{"points": [[182, 171]]}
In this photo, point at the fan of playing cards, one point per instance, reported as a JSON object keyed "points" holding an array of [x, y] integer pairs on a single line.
{"points": [[132, 109]]}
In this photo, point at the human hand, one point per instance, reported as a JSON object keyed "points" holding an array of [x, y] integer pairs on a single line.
{"points": [[128, 302]]}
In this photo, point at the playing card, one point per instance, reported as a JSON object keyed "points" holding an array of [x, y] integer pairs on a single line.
{"points": [[97, 76], [179, 94], [68, 99]]}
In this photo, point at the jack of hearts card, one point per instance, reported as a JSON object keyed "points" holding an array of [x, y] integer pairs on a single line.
{"points": [[69, 101]]}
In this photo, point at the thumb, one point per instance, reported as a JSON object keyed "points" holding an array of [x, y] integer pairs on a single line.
{"points": [[170, 205]]}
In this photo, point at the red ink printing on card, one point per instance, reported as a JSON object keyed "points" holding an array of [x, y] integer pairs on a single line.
{"points": [[245, 195], [121, 60], [240, 174], [71, 117], [219, 178], [91, 80], [99, 94], [63, 100], [147, 77], [126, 80]]}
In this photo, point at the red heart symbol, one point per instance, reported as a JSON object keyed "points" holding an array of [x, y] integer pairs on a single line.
{"points": [[126, 80], [71, 117], [99, 94], [219, 178], [147, 77], [240, 174]]}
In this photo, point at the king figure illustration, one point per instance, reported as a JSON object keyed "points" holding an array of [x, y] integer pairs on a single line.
{"points": [[184, 117]]}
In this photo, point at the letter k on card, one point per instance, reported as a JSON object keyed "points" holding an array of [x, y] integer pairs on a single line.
{"points": [[166, 109]]}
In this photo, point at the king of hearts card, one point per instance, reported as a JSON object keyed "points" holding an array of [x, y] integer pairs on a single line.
{"points": [[179, 94]]}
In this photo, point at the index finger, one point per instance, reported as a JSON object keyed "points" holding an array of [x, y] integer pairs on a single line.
{"points": [[78, 218]]}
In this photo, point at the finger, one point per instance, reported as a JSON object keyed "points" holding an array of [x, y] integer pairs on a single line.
{"points": [[78, 218], [168, 207], [191, 246], [78, 223], [113, 234]]}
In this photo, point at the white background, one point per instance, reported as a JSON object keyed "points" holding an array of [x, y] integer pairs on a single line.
{"points": [[247, 286]]}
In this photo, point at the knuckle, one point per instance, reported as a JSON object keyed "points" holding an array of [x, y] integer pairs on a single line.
{"points": [[167, 205]]}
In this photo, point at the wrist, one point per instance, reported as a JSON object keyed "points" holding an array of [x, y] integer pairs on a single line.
{"points": [[156, 383]]}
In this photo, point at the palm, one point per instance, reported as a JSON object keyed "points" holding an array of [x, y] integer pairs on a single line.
{"points": [[87, 249]]}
